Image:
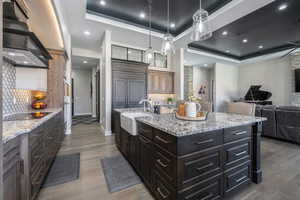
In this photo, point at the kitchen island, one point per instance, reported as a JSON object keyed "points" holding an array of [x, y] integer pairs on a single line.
{"points": [[176, 159]]}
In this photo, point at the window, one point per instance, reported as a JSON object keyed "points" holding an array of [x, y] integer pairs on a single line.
{"points": [[135, 55], [119, 52]]}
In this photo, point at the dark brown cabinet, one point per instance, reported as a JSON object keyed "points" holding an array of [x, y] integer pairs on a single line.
{"points": [[145, 156], [211, 165], [160, 82], [28, 158], [12, 170]]}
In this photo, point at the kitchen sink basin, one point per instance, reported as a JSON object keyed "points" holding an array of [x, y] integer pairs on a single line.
{"points": [[128, 121]]}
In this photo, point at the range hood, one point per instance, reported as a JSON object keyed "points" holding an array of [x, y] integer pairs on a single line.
{"points": [[20, 46]]}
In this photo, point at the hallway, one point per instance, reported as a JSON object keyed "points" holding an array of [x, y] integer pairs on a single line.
{"points": [[92, 146]]}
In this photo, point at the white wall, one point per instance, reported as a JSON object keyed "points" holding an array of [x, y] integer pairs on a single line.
{"points": [[82, 91], [202, 76], [274, 76], [106, 83], [226, 85], [177, 62]]}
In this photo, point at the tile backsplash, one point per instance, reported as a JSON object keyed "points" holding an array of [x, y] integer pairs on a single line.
{"points": [[14, 100]]}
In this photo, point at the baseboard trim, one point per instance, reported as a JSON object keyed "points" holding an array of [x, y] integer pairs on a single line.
{"points": [[106, 133], [68, 131]]}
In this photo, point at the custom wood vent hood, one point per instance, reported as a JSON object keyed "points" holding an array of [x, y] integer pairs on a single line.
{"points": [[21, 47]]}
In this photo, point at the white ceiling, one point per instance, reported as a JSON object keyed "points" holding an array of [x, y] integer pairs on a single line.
{"points": [[78, 62], [78, 22]]}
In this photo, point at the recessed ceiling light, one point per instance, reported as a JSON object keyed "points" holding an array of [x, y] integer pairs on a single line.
{"points": [[172, 25], [245, 40], [260, 46], [142, 15], [87, 33], [224, 33], [25, 62], [85, 62], [11, 54], [205, 65], [227, 51], [282, 6], [103, 3]]}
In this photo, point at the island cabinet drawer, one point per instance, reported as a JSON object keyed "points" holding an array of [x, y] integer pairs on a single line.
{"points": [[199, 142], [165, 141], [36, 156], [236, 153], [199, 166], [166, 165], [236, 133], [237, 178], [211, 189], [145, 130], [161, 189]]}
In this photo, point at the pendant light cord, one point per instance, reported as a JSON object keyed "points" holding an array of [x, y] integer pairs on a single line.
{"points": [[168, 30], [150, 23], [200, 4]]}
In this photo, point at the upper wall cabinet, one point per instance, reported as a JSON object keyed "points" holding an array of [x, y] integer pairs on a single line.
{"points": [[160, 82], [31, 79]]}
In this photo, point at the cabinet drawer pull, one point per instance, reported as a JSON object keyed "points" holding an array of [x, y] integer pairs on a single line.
{"points": [[205, 142], [207, 196], [240, 179], [239, 154], [144, 140], [205, 166], [161, 193], [162, 140], [161, 163], [240, 133]]}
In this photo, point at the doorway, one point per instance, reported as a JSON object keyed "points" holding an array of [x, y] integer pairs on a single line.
{"points": [[98, 95]]}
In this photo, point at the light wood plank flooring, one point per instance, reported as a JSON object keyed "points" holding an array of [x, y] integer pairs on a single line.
{"points": [[280, 163]]}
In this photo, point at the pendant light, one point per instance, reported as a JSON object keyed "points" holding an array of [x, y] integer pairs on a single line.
{"points": [[168, 40], [149, 54], [201, 27]]}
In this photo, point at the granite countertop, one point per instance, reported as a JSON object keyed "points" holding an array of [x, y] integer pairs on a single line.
{"points": [[215, 121], [12, 129], [122, 110]]}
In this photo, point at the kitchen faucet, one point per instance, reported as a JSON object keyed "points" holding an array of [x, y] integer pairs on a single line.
{"points": [[147, 102]]}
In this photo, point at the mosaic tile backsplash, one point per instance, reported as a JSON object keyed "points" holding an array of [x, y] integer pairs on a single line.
{"points": [[14, 100]]}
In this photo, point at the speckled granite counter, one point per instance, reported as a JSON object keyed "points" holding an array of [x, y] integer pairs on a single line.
{"points": [[12, 129], [169, 124], [121, 110]]}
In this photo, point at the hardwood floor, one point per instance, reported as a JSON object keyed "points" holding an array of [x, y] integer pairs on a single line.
{"points": [[280, 163]]}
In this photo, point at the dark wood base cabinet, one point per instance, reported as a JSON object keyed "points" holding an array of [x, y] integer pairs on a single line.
{"points": [[207, 166], [28, 158]]}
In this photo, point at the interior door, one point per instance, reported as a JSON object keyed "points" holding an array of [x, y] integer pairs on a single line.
{"points": [[98, 95], [120, 88], [72, 85], [136, 92]]}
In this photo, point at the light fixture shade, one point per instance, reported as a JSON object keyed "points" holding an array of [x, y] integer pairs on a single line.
{"points": [[201, 28], [167, 45], [149, 55]]}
